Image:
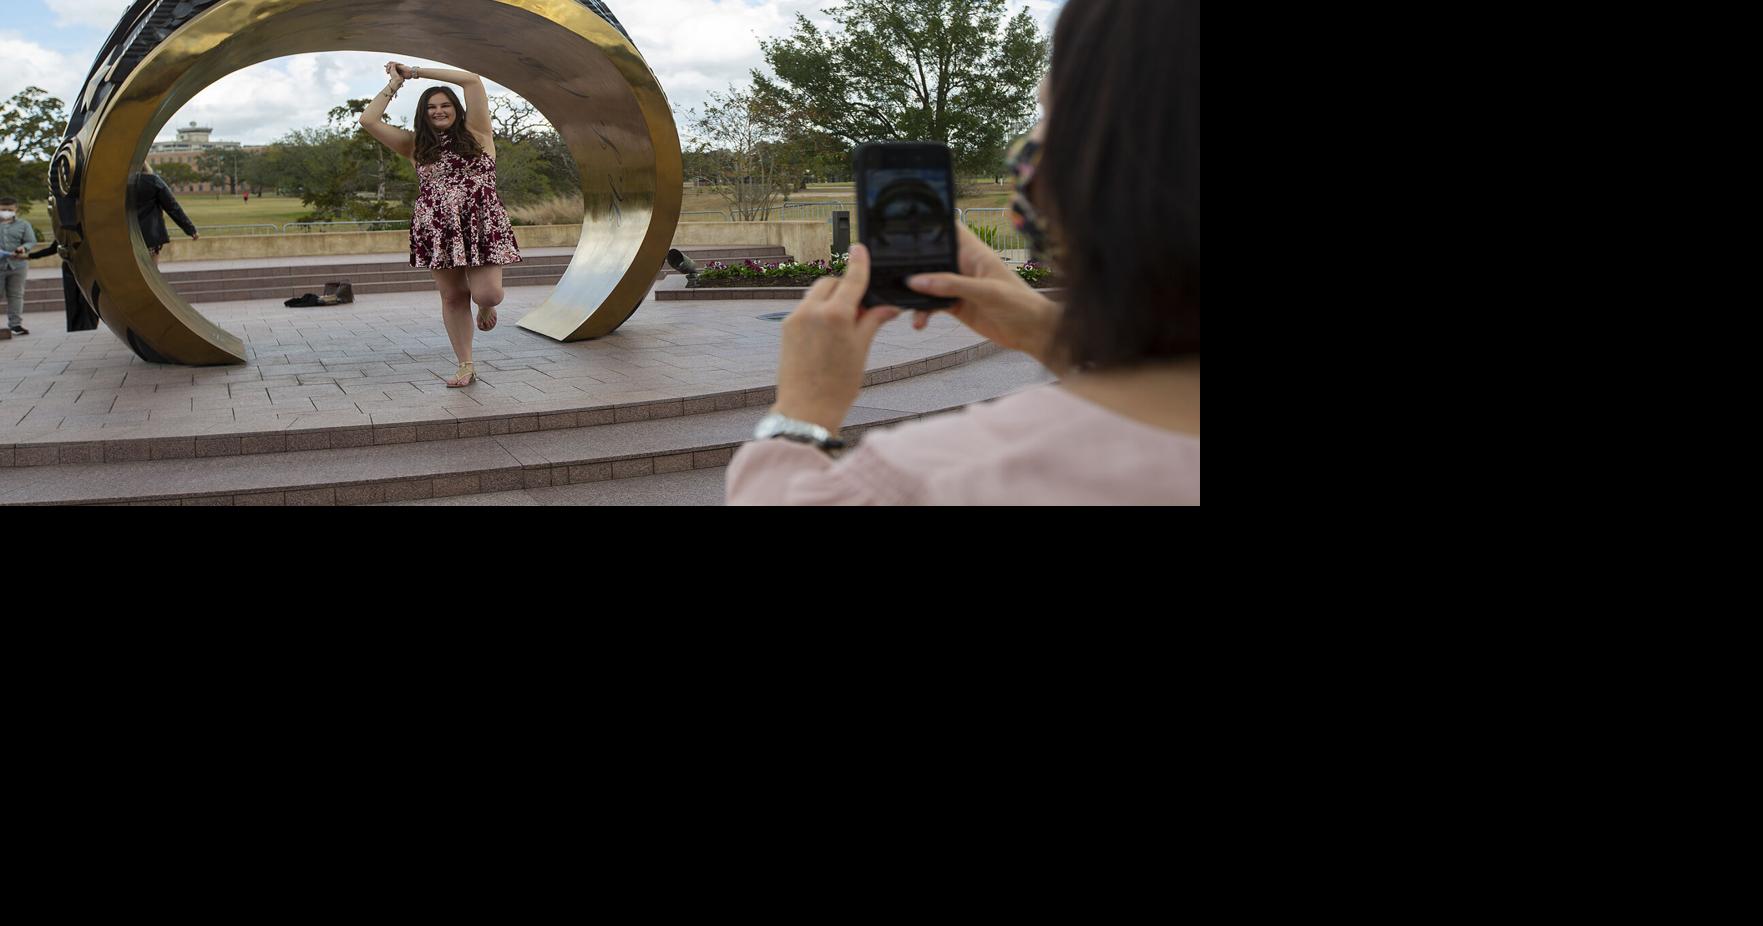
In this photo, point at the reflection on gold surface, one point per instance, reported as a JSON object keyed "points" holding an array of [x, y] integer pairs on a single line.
{"points": [[583, 74]]}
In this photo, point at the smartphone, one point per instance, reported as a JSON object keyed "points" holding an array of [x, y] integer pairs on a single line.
{"points": [[905, 217]]}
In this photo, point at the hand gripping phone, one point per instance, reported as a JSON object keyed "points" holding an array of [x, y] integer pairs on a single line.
{"points": [[905, 217]]}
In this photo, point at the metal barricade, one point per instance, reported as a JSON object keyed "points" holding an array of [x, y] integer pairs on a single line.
{"points": [[365, 225], [229, 231], [811, 212], [995, 228]]}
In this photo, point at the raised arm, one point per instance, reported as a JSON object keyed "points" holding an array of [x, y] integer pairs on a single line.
{"points": [[401, 141], [169, 202], [477, 99]]}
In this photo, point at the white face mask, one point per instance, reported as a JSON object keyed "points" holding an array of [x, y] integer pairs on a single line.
{"points": [[7, 214]]}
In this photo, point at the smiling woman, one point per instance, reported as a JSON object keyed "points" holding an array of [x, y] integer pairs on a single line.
{"points": [[458, 226]]}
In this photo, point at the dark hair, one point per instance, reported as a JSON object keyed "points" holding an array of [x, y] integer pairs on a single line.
{"points": [[8, 201], [428, 142], [1119, 179]]}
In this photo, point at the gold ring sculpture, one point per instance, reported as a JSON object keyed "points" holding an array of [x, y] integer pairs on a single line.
{"points": [[570, 58]]}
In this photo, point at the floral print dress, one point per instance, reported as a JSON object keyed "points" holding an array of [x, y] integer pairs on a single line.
{"points": [[458, 220]]}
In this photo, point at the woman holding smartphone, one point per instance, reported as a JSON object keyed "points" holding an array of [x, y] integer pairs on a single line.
{"points": [[459, 228], [1109, 191]]}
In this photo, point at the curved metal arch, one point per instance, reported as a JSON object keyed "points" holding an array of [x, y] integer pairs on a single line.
{"points": [[570, 58]]}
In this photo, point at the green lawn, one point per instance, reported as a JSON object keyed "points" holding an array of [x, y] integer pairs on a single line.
{"points": [[211, 209], [986, 196], [221, 209]]}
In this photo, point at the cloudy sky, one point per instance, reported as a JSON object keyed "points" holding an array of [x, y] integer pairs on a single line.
{"points": [[693, 46]]}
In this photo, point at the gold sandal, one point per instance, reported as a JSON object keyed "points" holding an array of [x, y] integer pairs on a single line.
{"points": [[480, 319], [466, 370]]}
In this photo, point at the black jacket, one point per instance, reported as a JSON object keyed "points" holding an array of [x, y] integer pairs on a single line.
{"points": [[152, 195]]}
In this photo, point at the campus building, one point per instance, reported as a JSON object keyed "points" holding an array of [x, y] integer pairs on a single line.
{"points": [[193, 142]]}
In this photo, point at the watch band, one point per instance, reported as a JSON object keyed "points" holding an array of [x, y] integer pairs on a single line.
{"points": [[775, 425]]}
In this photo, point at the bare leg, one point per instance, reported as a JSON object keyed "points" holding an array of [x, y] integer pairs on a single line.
{"points": [[455, 311], [486, 291]]}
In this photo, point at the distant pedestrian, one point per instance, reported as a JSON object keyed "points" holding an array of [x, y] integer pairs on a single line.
{"points": [[152, 196]]}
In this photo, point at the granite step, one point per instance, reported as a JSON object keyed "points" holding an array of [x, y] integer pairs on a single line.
{"points": [[521, 458], [698, 487], [44, 294]]}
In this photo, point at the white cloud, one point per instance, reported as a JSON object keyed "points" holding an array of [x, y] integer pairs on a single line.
{"points": [[693, 46], [265, 101], [29, 64], [696, 46], [100, 14], [699, 45]]}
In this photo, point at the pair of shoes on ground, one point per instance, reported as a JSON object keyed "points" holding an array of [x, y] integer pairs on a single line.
{"points": [[334, 294]]}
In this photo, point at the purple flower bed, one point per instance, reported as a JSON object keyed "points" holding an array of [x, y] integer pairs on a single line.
{"points": [[752, 273], [778, 273]]}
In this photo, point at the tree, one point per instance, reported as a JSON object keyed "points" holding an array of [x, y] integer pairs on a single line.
{"points": [[740, 150], [254, 171], [514, 118], [953, 71], [519, 177], [216, 166], [556, 162], [388, 173], [814, 154], [532, 160], [233, 168], [25, 181], [177, 173], [320, 166], [31, 124]]}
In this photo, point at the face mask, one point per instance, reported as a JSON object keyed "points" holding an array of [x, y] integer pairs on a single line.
{"points": [[7, 214], [1023, 158]]}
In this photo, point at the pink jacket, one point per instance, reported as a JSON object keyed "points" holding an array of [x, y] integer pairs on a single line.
{"points": [[1043, 446]]}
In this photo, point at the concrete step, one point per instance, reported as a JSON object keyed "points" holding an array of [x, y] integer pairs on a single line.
{"points": [[285, 282], [287, 291], [391, 275], [499, 462], [302, 274], [698, 487], [390, 261]]}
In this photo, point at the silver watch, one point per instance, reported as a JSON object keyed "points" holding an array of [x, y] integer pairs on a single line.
{"points": [[775, 425]]}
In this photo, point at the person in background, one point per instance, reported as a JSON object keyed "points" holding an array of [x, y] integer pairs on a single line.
{"points": [[16, 238], [152, 196]]}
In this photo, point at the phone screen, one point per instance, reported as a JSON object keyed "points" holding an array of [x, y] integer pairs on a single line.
{"points": [[906, 197]]}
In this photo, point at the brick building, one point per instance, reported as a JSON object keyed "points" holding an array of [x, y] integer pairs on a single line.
{"points": [[193, 142]]}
